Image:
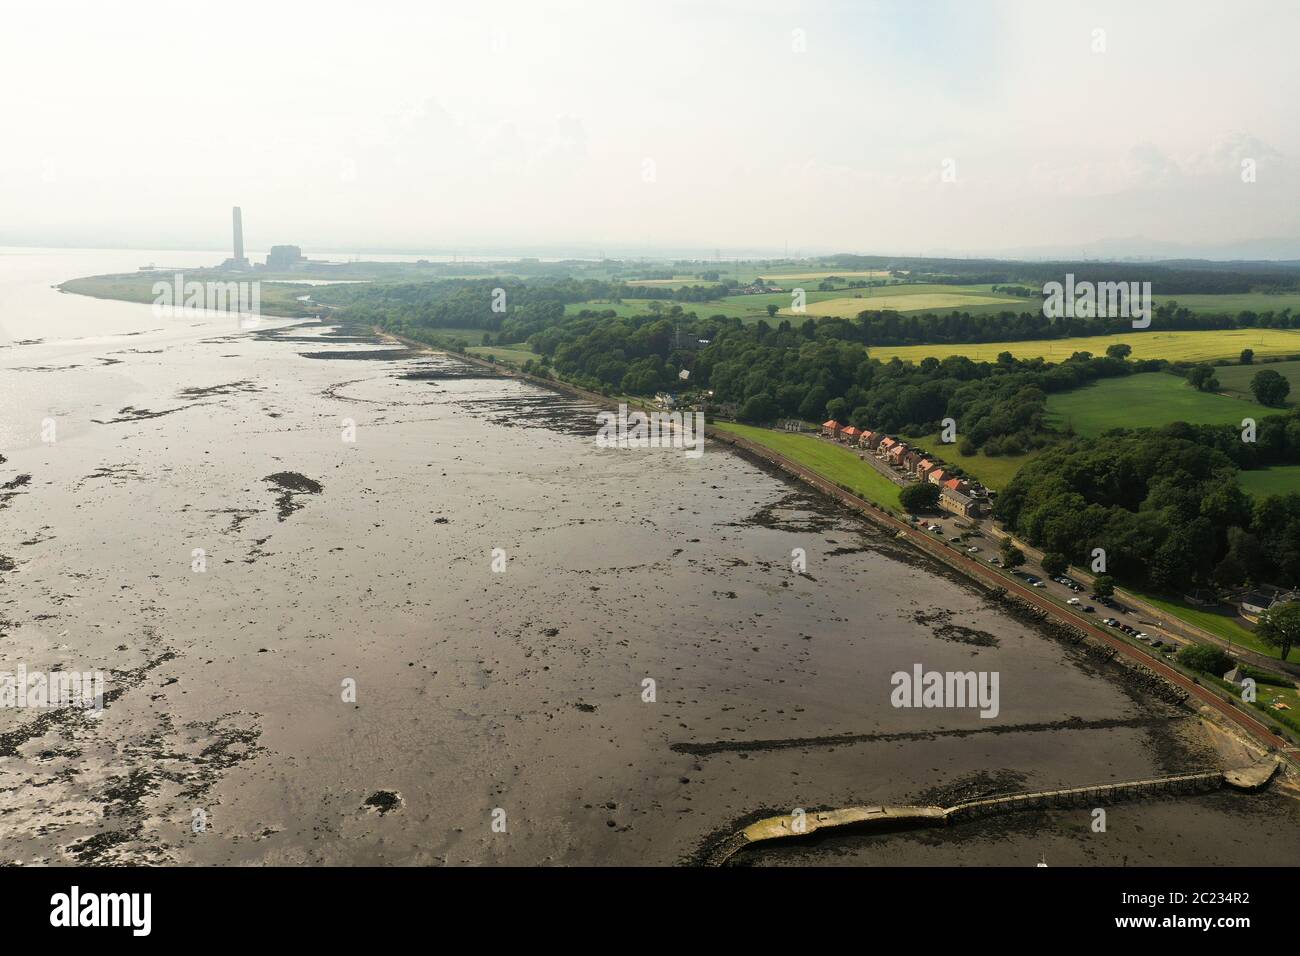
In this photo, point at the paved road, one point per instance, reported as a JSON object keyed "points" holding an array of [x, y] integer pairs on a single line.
{"points": [[988, 547]]}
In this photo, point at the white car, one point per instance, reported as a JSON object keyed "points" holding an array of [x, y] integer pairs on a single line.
{"points": [[1074, 601]]}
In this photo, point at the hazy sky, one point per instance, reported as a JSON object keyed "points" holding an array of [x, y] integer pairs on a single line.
{"points": [[627, 126]]}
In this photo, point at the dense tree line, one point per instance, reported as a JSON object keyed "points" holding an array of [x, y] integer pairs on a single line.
{"points": [[1164, 504], [818, 369], [490, 304]]}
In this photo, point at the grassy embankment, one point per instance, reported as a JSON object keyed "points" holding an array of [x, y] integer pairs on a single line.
{"points": [[1222, 625], [832, 461]]}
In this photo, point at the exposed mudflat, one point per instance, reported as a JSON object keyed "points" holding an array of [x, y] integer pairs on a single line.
{"points": [[385, 640]]}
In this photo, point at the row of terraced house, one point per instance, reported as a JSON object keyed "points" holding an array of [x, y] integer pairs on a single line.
{"points": [[956, 494]]}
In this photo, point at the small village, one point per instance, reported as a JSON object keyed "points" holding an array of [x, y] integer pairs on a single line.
{"points": [[900, 462]]}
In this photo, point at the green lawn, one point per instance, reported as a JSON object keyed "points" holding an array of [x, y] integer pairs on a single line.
{"points": [[1148, 400], [827, 458], [1277, 480], [995, 473], [1235, 380], [1226, 626]]}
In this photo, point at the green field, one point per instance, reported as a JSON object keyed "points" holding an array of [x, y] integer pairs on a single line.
{"points": [[921, 297], [1148, 400], [1174, 346], [787, 278], [672, 283], [845, 303], [516, 354], [1235, 379], [825, 457], [1231, 304], [750, 308], [1278, 480]]}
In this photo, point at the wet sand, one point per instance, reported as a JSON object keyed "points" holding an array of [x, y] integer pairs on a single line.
{"points": [[329, 561]]}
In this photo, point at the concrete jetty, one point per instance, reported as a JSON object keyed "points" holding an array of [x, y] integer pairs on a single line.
{"points": [[801, 824]]}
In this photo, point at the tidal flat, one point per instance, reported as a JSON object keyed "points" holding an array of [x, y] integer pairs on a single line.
{"points": [[357, 602]]}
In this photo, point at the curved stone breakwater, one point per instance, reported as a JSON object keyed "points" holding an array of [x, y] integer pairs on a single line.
{"points": [[802, 825]]}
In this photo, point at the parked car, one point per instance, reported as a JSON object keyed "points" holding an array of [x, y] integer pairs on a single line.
{"points": [[1089, 609], [1073, 601], [972, 550]]}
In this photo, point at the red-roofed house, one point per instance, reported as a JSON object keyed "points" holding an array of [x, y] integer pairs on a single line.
{"points": [[910, 460], [885, 445], [850, 435], [923, 468], [831, 429], [937, 476], [957, 484], [896, 454], [870, 440]]}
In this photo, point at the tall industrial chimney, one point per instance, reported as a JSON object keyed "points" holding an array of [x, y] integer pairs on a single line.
{"points": [[239, 235]]}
